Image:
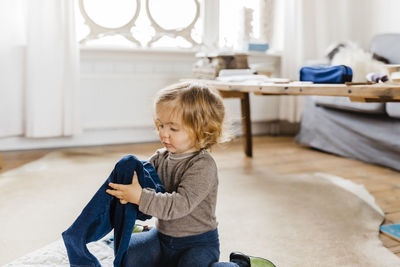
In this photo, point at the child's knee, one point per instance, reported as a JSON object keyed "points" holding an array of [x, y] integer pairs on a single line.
{"points": [[127, 161]]}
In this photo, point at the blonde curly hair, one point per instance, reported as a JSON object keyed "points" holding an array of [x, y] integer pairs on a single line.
{"points": [[201, 110]]}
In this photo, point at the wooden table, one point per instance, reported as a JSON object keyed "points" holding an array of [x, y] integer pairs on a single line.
{"points": [[356, 92]]}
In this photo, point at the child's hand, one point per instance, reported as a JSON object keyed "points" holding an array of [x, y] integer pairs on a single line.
{"points": [[127, 192]]}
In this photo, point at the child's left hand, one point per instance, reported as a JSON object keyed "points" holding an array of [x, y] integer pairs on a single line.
{"points": [[127, 192]]}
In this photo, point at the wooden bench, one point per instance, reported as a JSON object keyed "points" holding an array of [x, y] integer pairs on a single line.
{"points": [[356, 92]]}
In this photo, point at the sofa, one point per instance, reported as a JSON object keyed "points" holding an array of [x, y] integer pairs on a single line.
{"points": [[369, 132]]}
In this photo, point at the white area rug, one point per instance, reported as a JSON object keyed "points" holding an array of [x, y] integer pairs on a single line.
{"points": [[298, 220], [55, 254]]}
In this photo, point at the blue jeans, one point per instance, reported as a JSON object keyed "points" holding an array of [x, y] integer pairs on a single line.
{"points": [[154, 249], [104, 213]]}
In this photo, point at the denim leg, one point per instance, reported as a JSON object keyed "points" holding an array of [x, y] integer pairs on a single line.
{"points": [[104, 212], [123, 217], [224, 264], [91, 225], [199, 257], [197, 250], [144, 250]]}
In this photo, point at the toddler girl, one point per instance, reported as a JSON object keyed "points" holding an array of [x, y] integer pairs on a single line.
{"points": [[189, 119]]}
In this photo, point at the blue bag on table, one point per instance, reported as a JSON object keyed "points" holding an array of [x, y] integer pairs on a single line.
{"points": [[326, 74]]}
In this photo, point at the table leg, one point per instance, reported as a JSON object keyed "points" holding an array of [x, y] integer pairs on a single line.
{"points": [[246, 124], [246, 120]]}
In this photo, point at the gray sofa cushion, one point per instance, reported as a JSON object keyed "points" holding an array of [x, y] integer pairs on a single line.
{"points": [[393, 110], [344, 103], [368, 137], [387, 46]]}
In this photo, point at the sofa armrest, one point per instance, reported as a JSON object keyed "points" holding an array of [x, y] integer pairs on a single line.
{"points": [[393, 110]]}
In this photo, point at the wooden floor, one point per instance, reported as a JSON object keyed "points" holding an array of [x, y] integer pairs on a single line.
{"points": [[282, 155]]}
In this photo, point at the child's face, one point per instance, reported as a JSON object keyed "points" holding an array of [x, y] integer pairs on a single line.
{"points": [[173, 135]]}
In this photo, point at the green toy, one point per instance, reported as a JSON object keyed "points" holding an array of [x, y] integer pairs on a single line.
{"points": [[249, 261]]}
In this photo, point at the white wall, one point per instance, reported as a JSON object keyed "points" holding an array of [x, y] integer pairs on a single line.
{"points": [[117, 88], [331, 21]]}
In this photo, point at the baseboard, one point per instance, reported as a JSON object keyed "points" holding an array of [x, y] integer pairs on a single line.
{"points": [[130, 135], [87, 138]]}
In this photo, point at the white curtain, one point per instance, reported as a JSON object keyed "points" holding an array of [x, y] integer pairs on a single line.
{"points": [[310, 26], [302, 19], [52, 69], [12, 42], [290, 107], [44, 84]]}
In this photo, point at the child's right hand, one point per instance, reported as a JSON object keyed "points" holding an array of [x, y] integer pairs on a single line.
{"points": [[127, 192]]}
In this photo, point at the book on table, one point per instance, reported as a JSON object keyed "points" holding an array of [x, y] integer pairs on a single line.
{"points": [[391, 230]]}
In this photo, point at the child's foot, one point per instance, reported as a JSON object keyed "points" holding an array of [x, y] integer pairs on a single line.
{"points": [[249, 261]]}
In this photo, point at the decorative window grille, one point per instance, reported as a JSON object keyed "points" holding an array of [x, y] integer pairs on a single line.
{"points": [[212, 24], [142, 22]]}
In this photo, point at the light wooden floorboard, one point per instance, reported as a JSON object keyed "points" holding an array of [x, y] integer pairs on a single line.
{"points": [[280, 155]]}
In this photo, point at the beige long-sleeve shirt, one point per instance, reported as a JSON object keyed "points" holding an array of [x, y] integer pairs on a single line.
{"points": [[188, 205]]}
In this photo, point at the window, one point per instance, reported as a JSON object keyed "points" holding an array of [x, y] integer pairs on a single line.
{"points": [[140, 23], [170, 23]]}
